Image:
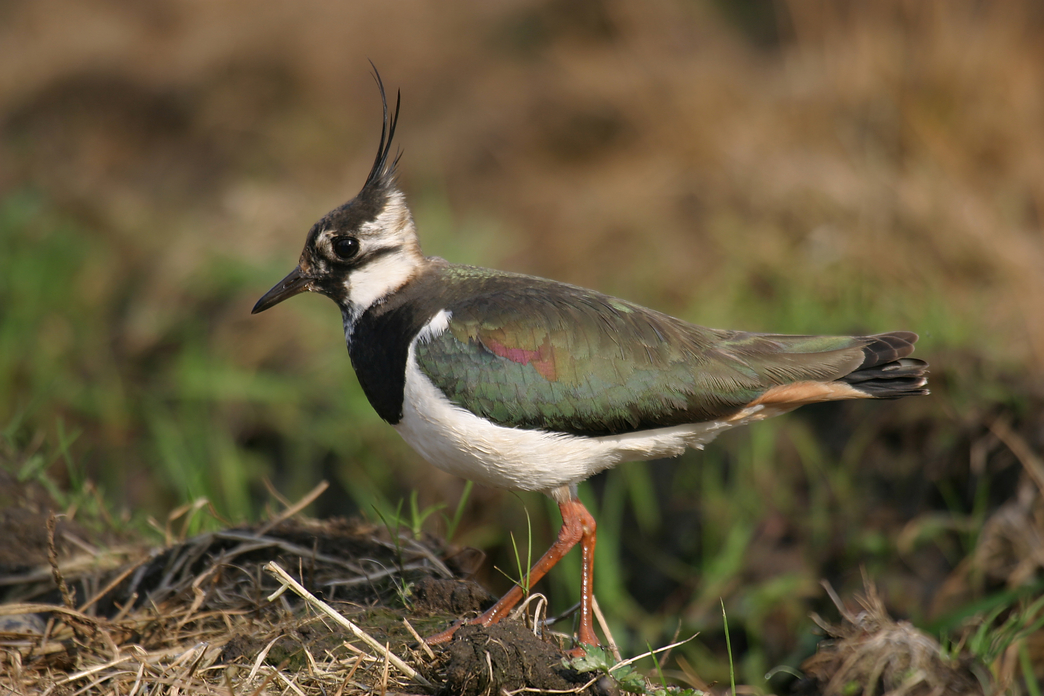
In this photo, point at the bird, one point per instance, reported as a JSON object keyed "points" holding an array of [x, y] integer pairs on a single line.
{"points": [[528, 384]]}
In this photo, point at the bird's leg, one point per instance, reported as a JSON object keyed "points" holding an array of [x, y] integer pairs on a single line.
{"points": [[585, 631], [577, 526]]}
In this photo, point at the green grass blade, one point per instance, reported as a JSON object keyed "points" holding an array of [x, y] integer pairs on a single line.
{"points": [[728, 648]]}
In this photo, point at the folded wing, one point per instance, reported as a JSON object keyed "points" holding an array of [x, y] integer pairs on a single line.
{"points": [[535, 354]]}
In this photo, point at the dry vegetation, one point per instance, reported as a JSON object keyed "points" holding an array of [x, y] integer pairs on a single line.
{"points": [[219, 613], [793, 166]]}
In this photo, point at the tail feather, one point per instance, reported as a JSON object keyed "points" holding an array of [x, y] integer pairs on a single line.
{"points": [[887, 372]]}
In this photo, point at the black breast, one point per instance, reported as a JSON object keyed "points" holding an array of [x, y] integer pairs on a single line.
{"points": [[380, 344]]}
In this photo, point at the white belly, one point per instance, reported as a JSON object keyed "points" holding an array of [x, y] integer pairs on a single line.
{"points": [[459, 442]]}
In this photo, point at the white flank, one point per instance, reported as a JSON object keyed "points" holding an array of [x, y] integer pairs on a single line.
{"points": [[438, 324], [459, 442]]}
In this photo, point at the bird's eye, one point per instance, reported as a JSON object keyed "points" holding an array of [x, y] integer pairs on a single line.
{"points": [[346, 247]]}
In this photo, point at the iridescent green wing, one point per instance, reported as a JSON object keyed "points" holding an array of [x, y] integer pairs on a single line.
{"points": [[529, 353]]}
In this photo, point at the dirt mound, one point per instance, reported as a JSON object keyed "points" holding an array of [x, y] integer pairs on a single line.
{"points": [[210, 610], [507, 657]]}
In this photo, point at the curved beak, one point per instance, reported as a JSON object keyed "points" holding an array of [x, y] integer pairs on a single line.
{"points": [[294, 283]]}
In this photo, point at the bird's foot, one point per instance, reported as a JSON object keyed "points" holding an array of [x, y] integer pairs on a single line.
{"points": [[447, 635], [585, 635], [579, 650]]}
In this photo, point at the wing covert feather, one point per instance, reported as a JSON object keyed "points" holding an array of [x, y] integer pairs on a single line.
{"points": [[531, 353]]}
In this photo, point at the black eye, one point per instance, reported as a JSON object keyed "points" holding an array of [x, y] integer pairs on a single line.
{"points": [[346, 247]]}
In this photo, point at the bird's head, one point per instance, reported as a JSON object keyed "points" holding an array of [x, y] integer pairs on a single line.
{"points": [[364, 250]]}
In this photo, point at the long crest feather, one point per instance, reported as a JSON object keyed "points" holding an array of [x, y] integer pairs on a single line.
{"points": [[383, 170]]}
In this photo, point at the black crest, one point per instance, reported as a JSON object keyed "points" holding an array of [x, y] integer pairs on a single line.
{"points": [[370, 201], [383, 169]]}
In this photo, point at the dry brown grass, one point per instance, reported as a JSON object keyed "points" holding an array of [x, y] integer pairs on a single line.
{"points": [[222, 613], [871, 653], [200, 617], [228, 613]]}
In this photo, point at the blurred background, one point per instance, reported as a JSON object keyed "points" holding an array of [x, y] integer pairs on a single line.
{"points": [[791, 167]]}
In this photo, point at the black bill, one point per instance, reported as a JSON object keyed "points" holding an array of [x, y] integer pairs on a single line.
{"points": [[293, 284]]}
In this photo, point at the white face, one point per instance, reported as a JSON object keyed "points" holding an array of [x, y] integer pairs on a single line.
{"points": [[380, 278], [386, 256]]}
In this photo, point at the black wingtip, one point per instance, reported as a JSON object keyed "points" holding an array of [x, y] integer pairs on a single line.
{"points": [[887, 371], [383, 170]]}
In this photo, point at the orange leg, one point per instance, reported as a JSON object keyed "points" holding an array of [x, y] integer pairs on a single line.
{"points": [[577, 526]]}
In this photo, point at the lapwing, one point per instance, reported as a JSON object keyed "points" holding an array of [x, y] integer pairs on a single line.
{"points": [[528, 384]]}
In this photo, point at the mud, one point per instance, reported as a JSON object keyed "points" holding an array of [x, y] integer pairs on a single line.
{"points": [[450, 596], [508, 657]]}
